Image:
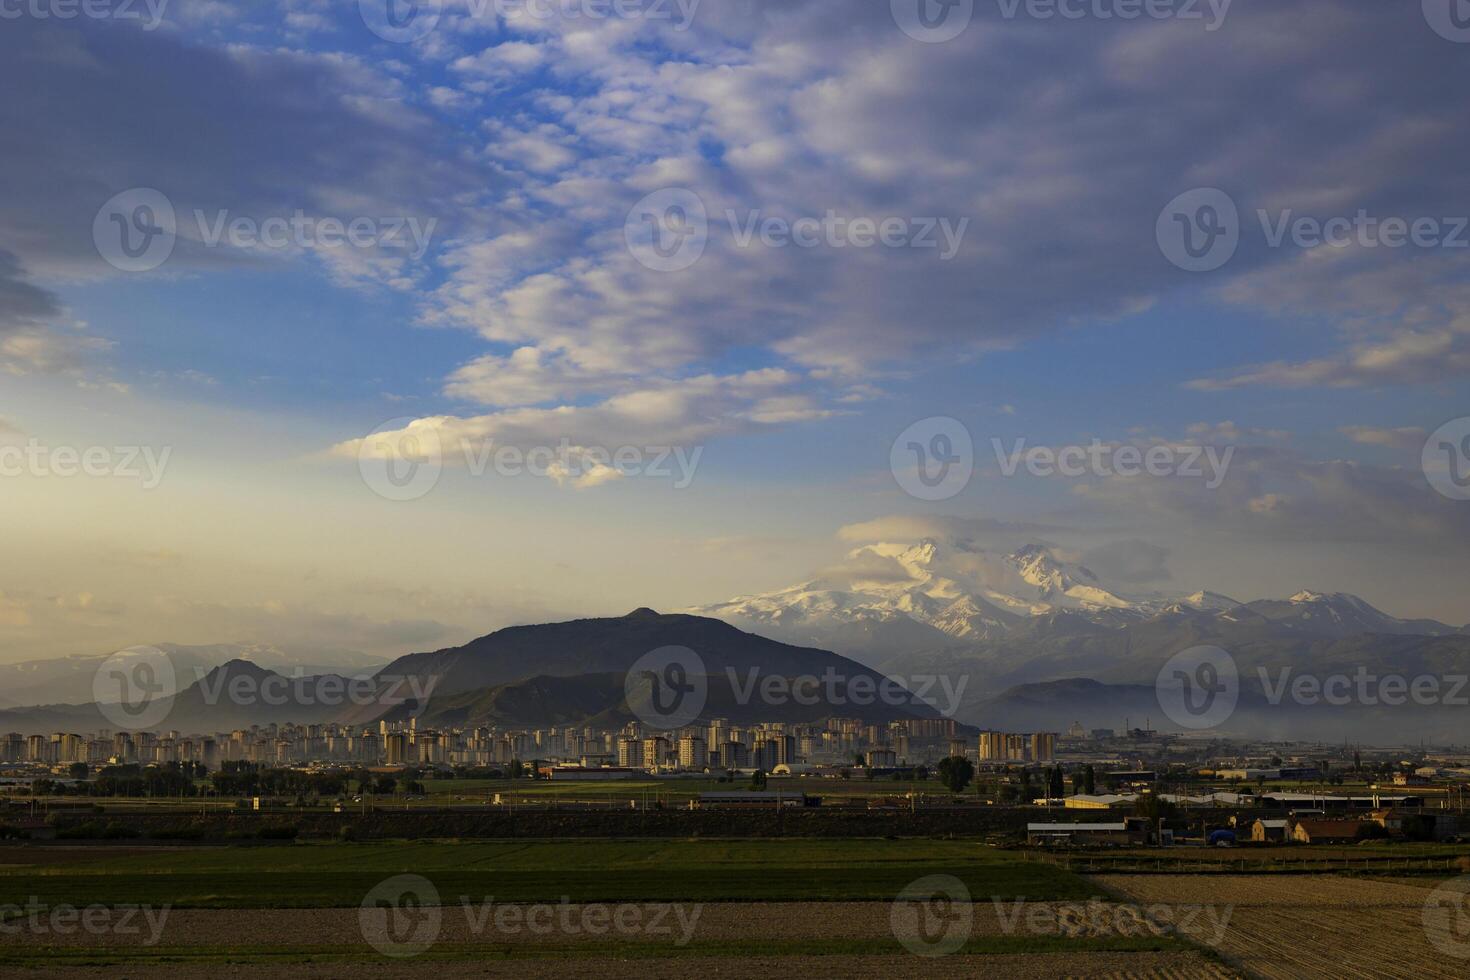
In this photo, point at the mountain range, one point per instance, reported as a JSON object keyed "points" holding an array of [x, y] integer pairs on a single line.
{"points": [[895, 598], [1025, 639], [524, 676], [68, 680], [1042, 641]]}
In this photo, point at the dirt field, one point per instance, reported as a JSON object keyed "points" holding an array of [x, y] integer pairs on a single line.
{"points": [[1034, 966], [645, 922], [850, 939], [1291, 927]]}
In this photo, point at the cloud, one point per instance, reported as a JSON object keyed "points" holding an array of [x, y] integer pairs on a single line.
{"points": [[1130, 561], [272, 132], [771, 113], [677, 413], [1404, 437], [1278, 494]]}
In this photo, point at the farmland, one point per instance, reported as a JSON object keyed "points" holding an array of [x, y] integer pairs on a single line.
{"points": [[1283, 927], [259, 908], [325, 875], [264, 910]]}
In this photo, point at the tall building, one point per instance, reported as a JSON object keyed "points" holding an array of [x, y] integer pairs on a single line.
{"points": [[1043, 746], [692, 753], [396, 747], [992, 747], [655, 750]]}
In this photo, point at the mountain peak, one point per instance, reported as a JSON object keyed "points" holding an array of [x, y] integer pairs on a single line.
{"points": [[642, 612]]}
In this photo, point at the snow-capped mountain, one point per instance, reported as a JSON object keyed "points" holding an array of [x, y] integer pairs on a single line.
{"points": [[1338, 614], [930, 595]]}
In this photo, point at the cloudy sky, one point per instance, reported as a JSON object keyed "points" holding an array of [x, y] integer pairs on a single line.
{"points": [[287, 289]]}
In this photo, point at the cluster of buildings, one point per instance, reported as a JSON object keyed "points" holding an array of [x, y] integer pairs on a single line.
{"points": [[716, 745], [1038, 747]]}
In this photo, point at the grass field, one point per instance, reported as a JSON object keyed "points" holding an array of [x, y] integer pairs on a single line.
{"points": [[326, 875], [669, 791]]}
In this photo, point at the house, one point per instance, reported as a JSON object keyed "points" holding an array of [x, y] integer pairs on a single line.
{"points": [[753, 798], [1207, 799], [1326, 831], [1104, 801], [1271, 831], [1318, 801], [1132, 831], [1422, 825], [564, 773]]}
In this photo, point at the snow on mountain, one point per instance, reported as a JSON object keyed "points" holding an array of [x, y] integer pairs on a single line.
{"points": [[960, 593], [932, 594], [1340, 614]]}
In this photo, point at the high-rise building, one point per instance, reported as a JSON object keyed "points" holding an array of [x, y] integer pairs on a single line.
{"points": [[692, 753], [1043, 746], [396, 747], [992, 746]]}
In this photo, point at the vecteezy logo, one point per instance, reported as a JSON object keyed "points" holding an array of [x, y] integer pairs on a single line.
{"points": [[933, 459], [932, 916], [932, 21], [1199, 230], [1198, 688], [134, 688], [400, 21], [1446, 459], [667, 688], [1449, 18], [667, 230], [135, 231], [401, 459], [1446, 918], [402, 916]]}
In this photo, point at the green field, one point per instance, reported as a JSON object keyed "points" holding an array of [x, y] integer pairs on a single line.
{"points": [[328, 875], [441, 791]]}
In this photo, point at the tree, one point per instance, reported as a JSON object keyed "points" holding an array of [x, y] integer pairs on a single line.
{"points": [[78, 770], [1089, 781], [1369, 830], [1153, 807], [1054, 785], [955, 773], [758, 779]]}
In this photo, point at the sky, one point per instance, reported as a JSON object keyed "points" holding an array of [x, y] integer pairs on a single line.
{"points": [[380, 327]]}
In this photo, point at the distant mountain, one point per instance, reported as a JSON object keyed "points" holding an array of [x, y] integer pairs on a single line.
{"points": [[237, 694], [68, 680], [932, 595], [599, 701], [896, 605], [574, 672], [607, 646], [1338, 614], [1028, 632], [1056, 705], [533, 676]]}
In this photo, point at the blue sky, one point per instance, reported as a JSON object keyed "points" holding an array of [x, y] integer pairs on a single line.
{"points": [[525, 146]]}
